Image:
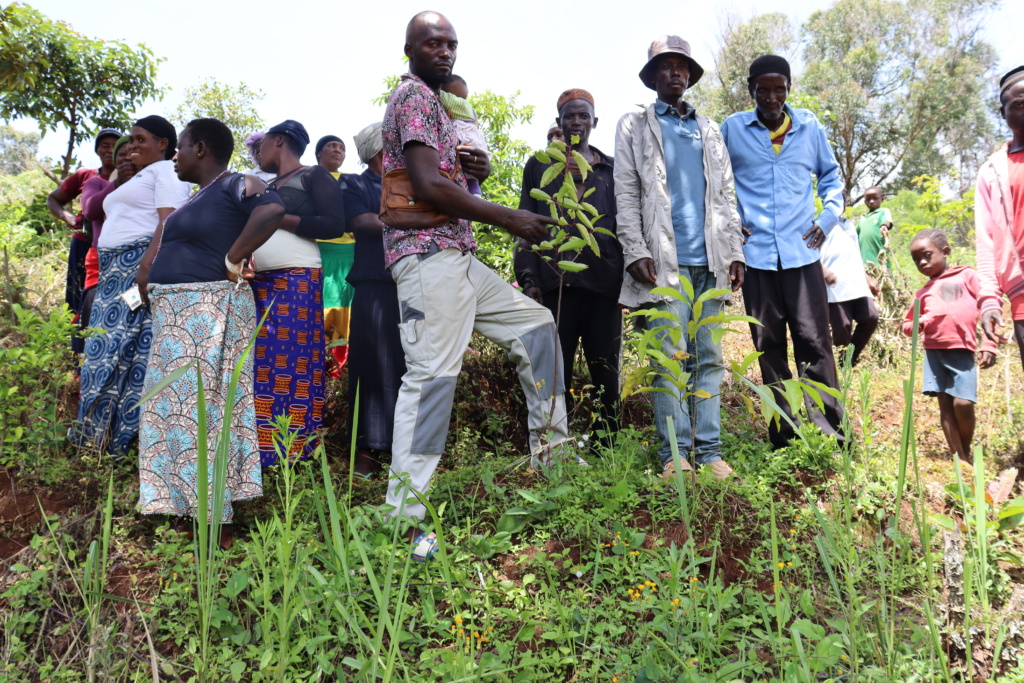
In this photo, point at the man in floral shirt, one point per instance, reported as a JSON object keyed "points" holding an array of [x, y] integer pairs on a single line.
{"points": [[444, 292]]}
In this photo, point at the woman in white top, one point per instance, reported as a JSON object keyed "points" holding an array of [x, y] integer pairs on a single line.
{"points": [[290, 353], [114, 363]]}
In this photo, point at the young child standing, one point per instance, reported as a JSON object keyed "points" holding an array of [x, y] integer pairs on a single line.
{"points": [[455, 100], [850, 291], [873, 228], [948, 325]]}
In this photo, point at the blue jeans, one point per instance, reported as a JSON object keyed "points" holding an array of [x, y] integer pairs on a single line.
{"points": [[700, 440]]}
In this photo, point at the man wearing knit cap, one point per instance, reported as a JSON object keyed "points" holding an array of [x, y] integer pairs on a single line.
{"points": [[774, 149], [999, 219], [677, 220], [585, 304], [445, 292], [81, 238]]}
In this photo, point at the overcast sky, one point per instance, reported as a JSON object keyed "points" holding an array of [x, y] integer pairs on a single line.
{"points": [[322, 62]]}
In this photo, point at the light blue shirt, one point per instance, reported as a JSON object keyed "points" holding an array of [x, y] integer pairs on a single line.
{"points": [[684, 170], [774, 193]]}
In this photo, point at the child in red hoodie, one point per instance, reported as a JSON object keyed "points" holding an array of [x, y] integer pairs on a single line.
{"points": [[949, 327]]}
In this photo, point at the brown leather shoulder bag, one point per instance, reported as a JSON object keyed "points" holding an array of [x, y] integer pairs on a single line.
{"points": [[399, 207]]}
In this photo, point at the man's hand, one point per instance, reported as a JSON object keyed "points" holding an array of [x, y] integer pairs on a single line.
{"points": [[68, 218], [873, 286], [815, 237], [736, 272], [643, 270], [746, 233], [475, 162], [532, 227], [991, 321], [534, 293], [986, 359], [830, 276]]}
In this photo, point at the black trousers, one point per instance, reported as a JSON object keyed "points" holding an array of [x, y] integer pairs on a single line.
{"points": [[1018, 333], [843, 315], [795, 298], [596, 322]]}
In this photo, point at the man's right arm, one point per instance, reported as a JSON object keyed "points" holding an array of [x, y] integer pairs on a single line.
{"points": [[450, 198], [628, 216], [56, 201], [526, 264], [990, 296]]}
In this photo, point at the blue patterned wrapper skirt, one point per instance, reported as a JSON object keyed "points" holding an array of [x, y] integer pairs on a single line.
{"points": [[209, 323], [114, 363]]}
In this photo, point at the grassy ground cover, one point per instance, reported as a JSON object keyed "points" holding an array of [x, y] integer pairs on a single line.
{"points": [[878, 562]]}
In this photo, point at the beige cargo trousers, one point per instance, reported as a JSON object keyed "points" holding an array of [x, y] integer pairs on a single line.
{"points": [[445, 296]]}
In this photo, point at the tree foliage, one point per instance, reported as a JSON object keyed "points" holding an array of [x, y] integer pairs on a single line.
{"points": [[723, 90], [235, 106], [60, 78], [902, 83], [18, 150]]}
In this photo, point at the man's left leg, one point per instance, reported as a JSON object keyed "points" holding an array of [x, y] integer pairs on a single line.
{"points": [[708, 368], [602, 346], [526, 330], [806, 304]]}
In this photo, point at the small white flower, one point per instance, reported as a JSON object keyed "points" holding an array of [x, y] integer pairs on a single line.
{"points": [[586, 437], [580, 444], [648, 471], [579, 574]]}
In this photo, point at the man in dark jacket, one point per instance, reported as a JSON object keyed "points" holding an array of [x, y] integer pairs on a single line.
{"points": [[585, 304]]}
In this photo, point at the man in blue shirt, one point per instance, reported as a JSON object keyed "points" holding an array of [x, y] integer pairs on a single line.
{"points": [[774, 150], [677, 220]]}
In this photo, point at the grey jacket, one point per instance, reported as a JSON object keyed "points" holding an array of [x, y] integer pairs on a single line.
{"points": [[645, 208]]}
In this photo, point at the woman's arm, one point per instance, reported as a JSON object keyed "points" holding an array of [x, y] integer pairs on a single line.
{"points": [[142, 277], [329, 203]]}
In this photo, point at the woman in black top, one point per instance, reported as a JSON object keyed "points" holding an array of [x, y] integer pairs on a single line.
{"points": [[203, 313], [290, 349]]}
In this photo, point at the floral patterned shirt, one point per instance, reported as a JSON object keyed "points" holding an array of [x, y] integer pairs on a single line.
{"points": [[415, 114]]}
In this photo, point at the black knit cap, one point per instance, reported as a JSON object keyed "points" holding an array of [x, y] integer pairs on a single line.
{"points": [[293, 129], [162, 128], [105, 133], [1010, 79], [769, 64], [322, 142]]}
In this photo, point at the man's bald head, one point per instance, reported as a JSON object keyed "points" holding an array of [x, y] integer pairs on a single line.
{"points": [[431, 46], [424, 20]]}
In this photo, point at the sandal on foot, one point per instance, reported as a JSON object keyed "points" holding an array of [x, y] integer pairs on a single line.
{"points": [[669, 472], [424, 547]]}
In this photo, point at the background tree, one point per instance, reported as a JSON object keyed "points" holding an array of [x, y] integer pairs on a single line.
{"points": [[60, 78], [234, 105], [903, 87], [18, 150], [723, 90]]}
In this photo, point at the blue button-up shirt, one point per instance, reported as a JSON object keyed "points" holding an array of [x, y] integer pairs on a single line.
{"points": [[684, 166], [774, 193]]}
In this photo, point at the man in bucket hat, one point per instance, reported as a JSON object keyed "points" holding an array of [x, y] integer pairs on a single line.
{"points": [[677, 219]]}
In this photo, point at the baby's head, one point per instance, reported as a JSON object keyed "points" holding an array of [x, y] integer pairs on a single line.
{"points": [[929, 249], [873, 198], [456, 85]]}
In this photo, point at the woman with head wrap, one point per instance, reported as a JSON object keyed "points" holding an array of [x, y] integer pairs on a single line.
{"points": [[94, 191], [203, 312], [288, 287], [375, 346], [337, 255], [115, 362]]}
